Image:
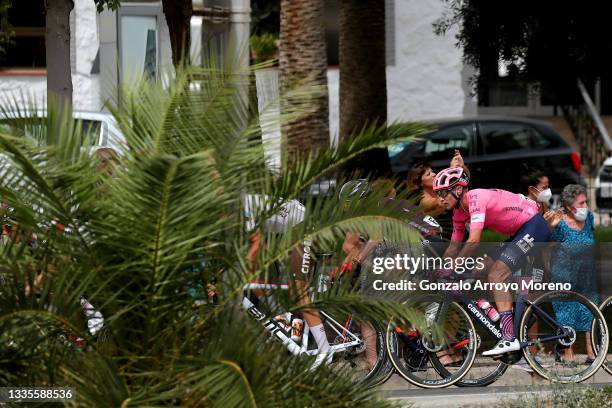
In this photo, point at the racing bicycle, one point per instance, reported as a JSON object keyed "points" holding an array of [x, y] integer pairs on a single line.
{"points": [[348, 344], [447, 328]]}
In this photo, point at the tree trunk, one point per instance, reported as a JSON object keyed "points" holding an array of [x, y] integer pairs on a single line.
{"points": [[363, 79], [178, 17], [57, 43], [303, 60]]}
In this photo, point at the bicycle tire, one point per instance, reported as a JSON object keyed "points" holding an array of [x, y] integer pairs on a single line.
{"points": [[386, 369], [404, 365], [599, 339], [606, 310]]}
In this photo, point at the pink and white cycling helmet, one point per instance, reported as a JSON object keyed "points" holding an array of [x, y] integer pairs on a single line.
{"points": [[449, 178]]}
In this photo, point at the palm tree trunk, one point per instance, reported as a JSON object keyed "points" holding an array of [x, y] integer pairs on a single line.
{"points": [[178, 17], [303, 59], [363, 79], [57, 43]]}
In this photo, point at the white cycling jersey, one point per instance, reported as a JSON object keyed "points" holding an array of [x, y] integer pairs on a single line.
{"points": [[290, 213]]}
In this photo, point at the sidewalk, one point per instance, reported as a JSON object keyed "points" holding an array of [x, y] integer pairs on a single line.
{"points": [[511, 377], [511, 385], [479, 397]]}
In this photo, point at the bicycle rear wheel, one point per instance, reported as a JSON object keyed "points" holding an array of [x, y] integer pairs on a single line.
{"points": [[443, 328], [606, 310], [550, 311]]}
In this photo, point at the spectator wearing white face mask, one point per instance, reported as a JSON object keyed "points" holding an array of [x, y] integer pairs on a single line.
{"points": [[535, 184], [573, 262]]}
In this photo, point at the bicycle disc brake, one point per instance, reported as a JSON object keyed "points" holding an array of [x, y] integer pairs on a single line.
{"points": [[570, 339], [429, 344]]}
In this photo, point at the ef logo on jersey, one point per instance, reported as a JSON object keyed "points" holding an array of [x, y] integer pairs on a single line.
{"points": [[526, 243]]}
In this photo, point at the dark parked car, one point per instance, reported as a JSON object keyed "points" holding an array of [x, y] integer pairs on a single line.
{"points": [[496, 150]]}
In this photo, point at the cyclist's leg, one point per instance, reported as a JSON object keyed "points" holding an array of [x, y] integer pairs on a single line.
{"points": [[368, 334], [512, 257], [301, 268], [523, 280], [356, 249], [255, 243], [589, 346]]}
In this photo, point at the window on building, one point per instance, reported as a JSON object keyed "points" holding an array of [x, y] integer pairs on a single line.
{"points": [[138, 47], [139, 41], [27, 47], [215, 39]]}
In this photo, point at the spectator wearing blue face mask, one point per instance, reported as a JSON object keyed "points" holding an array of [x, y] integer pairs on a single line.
{"points": [[572, 261]]}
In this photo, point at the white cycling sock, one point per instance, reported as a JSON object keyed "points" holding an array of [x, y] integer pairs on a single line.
{"points": [[318, 332]]}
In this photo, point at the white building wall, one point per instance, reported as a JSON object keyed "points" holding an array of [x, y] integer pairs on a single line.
{"points": [[85, 85], [426, 81], [90, 90], [333, 88], [23, 89]]}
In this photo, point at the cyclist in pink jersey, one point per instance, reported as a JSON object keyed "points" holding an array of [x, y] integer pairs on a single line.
{"points": [[500, 211], [497, 210]]}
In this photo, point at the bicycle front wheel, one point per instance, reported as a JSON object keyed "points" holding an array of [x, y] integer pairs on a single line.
{"points": [[440, 329], [570, 329], [606, 310]]}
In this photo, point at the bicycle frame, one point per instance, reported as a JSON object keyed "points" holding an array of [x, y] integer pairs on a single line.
{"points": [[349, 339], [495, 329]]}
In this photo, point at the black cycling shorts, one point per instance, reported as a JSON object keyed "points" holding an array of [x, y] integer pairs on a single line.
{"points": [[514, 252]]}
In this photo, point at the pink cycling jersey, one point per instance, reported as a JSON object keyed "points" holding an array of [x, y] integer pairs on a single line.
{"points": [[497, 210]]}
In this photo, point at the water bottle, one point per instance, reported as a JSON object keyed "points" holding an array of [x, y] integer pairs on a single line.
{"points": [[285, 320], [297, 327], [488, 309]]}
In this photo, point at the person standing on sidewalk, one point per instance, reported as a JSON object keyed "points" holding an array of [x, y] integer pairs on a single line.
{"points": [[573, 262]]}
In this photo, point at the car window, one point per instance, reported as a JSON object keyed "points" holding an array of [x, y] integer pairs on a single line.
{"points": [[439, 145], [90, 131], [504, 137], [546, 140]]}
